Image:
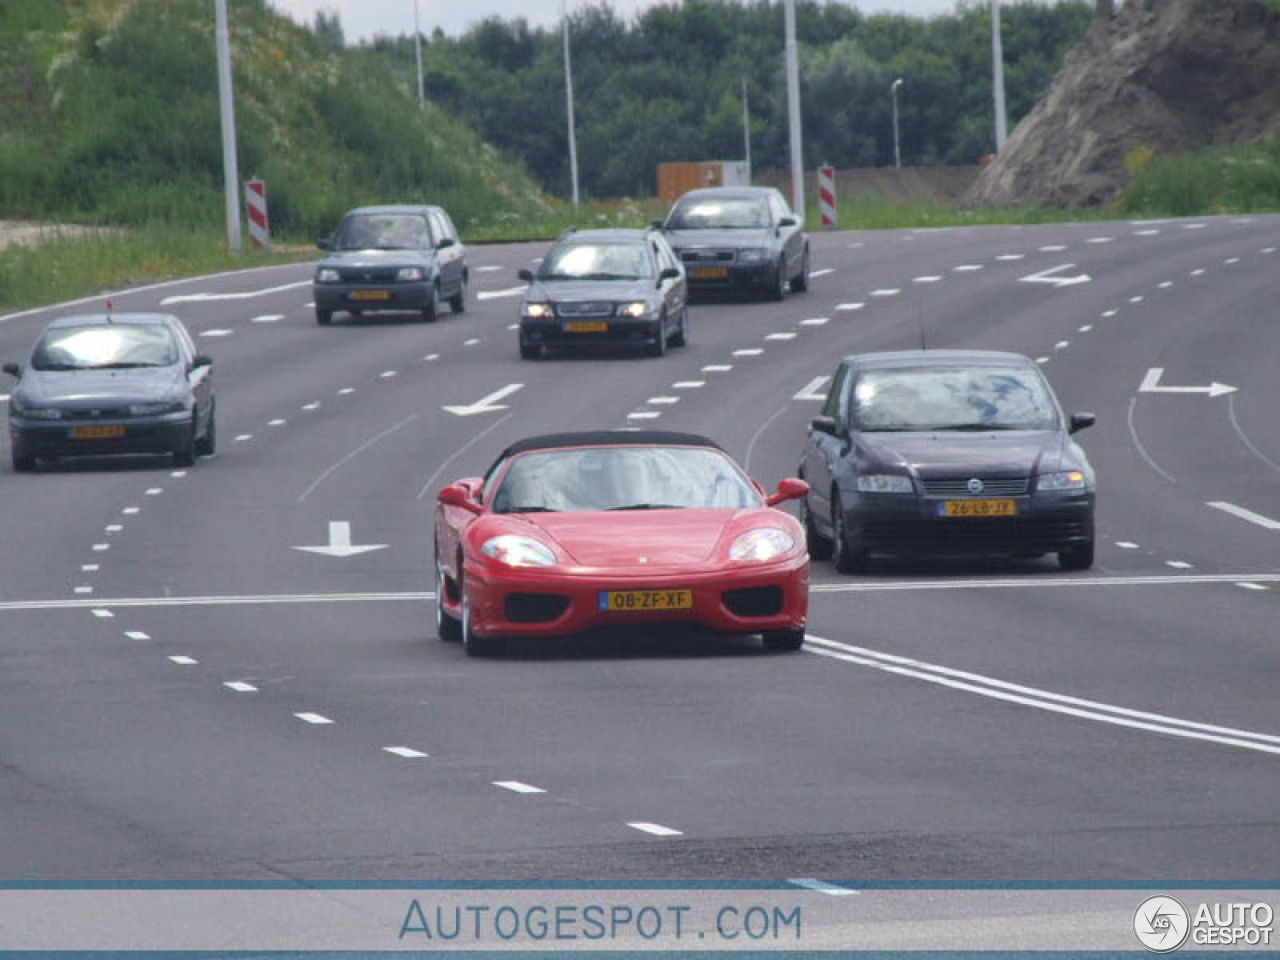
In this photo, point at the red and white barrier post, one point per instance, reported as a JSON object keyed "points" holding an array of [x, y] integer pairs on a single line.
{"points": [[255, 200], [827, 196]]}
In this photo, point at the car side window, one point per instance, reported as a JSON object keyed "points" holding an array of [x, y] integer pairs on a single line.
{"points": [[438, 230], [184, 338], [450, 229], [835, 405]]}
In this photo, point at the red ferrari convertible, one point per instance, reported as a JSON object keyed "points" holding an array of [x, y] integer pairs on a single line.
{"points": [[575, 531]]}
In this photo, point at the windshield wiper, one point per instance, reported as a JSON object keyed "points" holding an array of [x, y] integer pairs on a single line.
{"points": [[609, 276], [529, 509], [647, 506], [975, 427], [57, 366], [124, 365]]}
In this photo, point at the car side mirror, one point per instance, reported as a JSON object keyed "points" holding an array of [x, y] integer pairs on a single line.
{"points": [[456, 495], [200, 360], [669, 273], [824, 424], [791, 488], [656, 224], [444, 242], [1081, 420], [787, 222], [323, 243], [12, 369], [525, 275]]}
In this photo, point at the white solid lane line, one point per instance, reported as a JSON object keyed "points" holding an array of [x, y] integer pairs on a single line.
{"points": [[515, 786], [1028, 583], [1255, 518], [313, 718], [1044, 699], [199, 297], [657, 829], [407, 752], [820, 886]]}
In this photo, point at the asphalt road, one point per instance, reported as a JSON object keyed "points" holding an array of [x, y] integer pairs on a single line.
{"points": [[184, 694]]}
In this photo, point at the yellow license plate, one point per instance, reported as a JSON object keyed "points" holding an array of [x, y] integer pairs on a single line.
{"points": [[370, 294], [110, 432], [639, 601], [709, 273], [978, 508], [585, 326]]}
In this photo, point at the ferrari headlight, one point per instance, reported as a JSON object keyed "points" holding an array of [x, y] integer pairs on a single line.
{"points": [[409, 274], [761, 545], [327, 275], [153, 409], [517, 551], [538, 311], [884, 483], [1064, 480], [753, 255], [635, 309]]}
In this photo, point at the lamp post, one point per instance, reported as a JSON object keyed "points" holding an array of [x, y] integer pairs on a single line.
{"points": [[230, 168], [568, 94], [746, 128], [793, 112], [997, 76], [417, 52], [897, 150]]}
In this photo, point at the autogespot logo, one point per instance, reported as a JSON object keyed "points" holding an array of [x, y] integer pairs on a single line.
{"points": [[1161, 923]]}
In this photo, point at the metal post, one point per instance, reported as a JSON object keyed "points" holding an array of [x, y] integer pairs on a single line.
{"points": [[897, 150], [417, 50], [746, 128], [230, 169], [997, 76], [793, 114], [568, 93]]}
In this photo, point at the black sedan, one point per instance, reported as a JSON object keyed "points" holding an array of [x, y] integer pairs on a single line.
{"points": [[104, 384], [405, 258], [739, 238], [605, 287], [946, 451]]}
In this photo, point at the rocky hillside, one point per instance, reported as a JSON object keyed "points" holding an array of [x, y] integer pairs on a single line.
{"points": [[1161, 75]]}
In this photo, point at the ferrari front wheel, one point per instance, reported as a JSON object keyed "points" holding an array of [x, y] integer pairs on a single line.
{"points": [[474, 644], [448, 628]]}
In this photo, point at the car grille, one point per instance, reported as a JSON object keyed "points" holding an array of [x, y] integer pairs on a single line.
{"points": [[991, 487], [369, 274], [585, 308], [535, 607], [98, 413], [978, 535], [706, 256], [754, 601]]}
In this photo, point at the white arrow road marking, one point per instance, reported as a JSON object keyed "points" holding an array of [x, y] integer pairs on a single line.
{"points": [[1047, 276], [339, 544], [199, 297], [1264, 522], [1151, 384], [508, 292], [484, 404], [815, 389]]}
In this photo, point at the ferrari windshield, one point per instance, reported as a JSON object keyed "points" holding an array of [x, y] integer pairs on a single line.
{"points": [[596, 261], [622, 478], [383, 231], [953, 398], [105, 346], [720, 214]]}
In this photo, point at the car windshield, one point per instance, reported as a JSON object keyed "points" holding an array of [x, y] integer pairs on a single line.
{"points": [[382, 231], [953, 398], [622, 478], [105, 346], [596, 261], [719, 214]]}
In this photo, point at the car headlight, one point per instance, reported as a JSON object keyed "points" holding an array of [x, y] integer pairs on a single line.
{"points": [[37, 413], [153, 409], [753, 256], [761, 545], [517, 551], [635, 309], [1063, 480], [409, 274], [327, 275], [537, 311], [884, 483]]}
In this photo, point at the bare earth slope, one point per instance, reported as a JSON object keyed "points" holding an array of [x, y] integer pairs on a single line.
{"points": [[1171, 75]]}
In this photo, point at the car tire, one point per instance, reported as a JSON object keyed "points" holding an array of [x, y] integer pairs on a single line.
{"points": [[324, 317], [448, 627], [658, 346], [529, 351], [784, 639], [207, 445], [1077, 558], [819, 545], [474, 644], [22, 461], [185, 455], [681, 337], [800, 282], [778, 286], [431, 309], [458, 302], [850, 556]]}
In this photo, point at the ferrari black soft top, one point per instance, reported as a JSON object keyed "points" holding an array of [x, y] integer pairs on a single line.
{"points": [[605, 438]]}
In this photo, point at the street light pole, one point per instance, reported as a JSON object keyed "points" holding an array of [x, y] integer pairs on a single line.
{"points": [[568, 93], [997, 76], [746, 127], [230, 169], [417, 51], [793, 113], [897, 151]]}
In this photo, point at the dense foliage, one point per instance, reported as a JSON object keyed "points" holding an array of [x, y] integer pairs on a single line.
{"points": [[667, 86]]}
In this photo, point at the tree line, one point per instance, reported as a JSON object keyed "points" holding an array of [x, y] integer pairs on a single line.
{"points": [[667, 86]]}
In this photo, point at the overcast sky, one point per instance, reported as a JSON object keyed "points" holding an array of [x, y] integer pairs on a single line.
{"points": [[363, 19]]}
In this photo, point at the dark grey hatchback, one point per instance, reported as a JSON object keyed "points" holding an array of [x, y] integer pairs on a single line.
{"points": [[946, 452], [406, 258], [104, 384]]}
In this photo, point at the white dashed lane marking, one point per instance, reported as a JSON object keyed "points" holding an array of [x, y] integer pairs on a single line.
{"points": [[184, 661], [103, 614], [1053, 248], [661, 401], [89, 568], [748, 352], [1011, 256], [83, 590], [1179, 564], [277, 422], [1145, 233], [1062, 344], [815, 322], [644, 415], [130, 511], [136, 635], [717, 368], [657, 829], [471, 343], [1126, 545], [781, 336], [387, 374], [101, 547], [515, 786], [313, 405], [820, 273], [688, 384], [886, 292], [967, 267], [928, 279], [1099, 239], [268, 318], [215, 333], [1252, 586], [154, 491], [239, 686], [114, 528], [407, 752], [242, 438], [850, 306], [313, 718]]}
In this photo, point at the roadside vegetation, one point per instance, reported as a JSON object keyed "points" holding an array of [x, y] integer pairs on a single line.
{"points": [[1224, 180]]}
